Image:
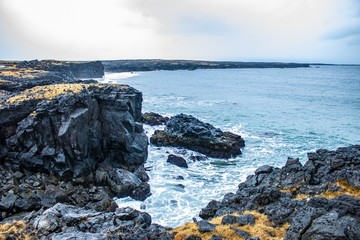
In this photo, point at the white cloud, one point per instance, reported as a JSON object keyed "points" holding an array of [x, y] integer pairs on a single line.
{"points": [[202, 29]]}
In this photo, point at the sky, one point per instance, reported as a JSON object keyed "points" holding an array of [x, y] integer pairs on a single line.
{"points": [[326, 31]]}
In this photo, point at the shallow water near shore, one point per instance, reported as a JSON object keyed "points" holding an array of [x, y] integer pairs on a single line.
{"points": [[279, 112]]}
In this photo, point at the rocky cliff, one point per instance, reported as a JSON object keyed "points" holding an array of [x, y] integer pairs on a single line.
{"points": [[80, 133]]}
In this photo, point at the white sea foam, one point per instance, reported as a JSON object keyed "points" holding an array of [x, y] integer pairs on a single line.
{"points": [[280, 113], [175, 201], [116, 77]]}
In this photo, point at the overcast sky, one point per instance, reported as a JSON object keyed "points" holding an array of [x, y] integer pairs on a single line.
{"points": [[246, 30]]}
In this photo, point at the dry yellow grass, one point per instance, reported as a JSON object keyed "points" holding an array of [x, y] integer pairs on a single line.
{"points": [[4, 81], [346, 188], [46, 92], [291, 190], [301, 196], [27, 73], [14, 230], [52, 91], [263, 228]]}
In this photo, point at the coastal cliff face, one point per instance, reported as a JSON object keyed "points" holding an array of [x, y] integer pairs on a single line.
{"points": [[71, 134], [86, 134]]}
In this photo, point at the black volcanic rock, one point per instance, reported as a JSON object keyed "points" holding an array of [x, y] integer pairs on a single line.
{"points": [[71, 134], [188, 132], [205, 226], [177, 160], [153, 119], [69, 222], [81, 135], [301, 196]]}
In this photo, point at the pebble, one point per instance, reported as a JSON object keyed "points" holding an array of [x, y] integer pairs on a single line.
{"points": [[36, 184], [18, 174]]}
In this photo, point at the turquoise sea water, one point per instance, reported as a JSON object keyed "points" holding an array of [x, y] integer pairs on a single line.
{"points": [[279, 112]]}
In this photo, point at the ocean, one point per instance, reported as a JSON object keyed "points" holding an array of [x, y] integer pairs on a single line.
{"points": [[280, 113]]}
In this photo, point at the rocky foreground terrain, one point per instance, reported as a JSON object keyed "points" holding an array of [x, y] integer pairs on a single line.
{"points": [[67, 147]]}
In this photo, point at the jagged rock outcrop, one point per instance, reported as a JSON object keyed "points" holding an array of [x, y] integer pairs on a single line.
{"points": [[88, 133], [188, 132], [70, 222], [320, 200]]}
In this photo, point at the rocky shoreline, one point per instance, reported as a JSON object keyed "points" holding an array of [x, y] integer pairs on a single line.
{"points": [[68, 147], [317, 200]]}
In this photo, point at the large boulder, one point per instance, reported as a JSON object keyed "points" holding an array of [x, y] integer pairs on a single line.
{"points": [[67, 222], [177, 160], [188, 132]]}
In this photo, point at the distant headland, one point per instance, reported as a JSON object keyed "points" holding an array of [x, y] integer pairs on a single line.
{"points": [[160, 64], [154, 64]]}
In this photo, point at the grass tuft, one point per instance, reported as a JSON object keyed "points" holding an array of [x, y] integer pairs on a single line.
{"points": [[345, 188], [263, 228], [15, 230], [50, 92], [20, 73]]}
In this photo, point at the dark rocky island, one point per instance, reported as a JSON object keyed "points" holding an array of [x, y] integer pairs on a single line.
{"points": [[159, 64], [67, 147], [188, 132]]}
